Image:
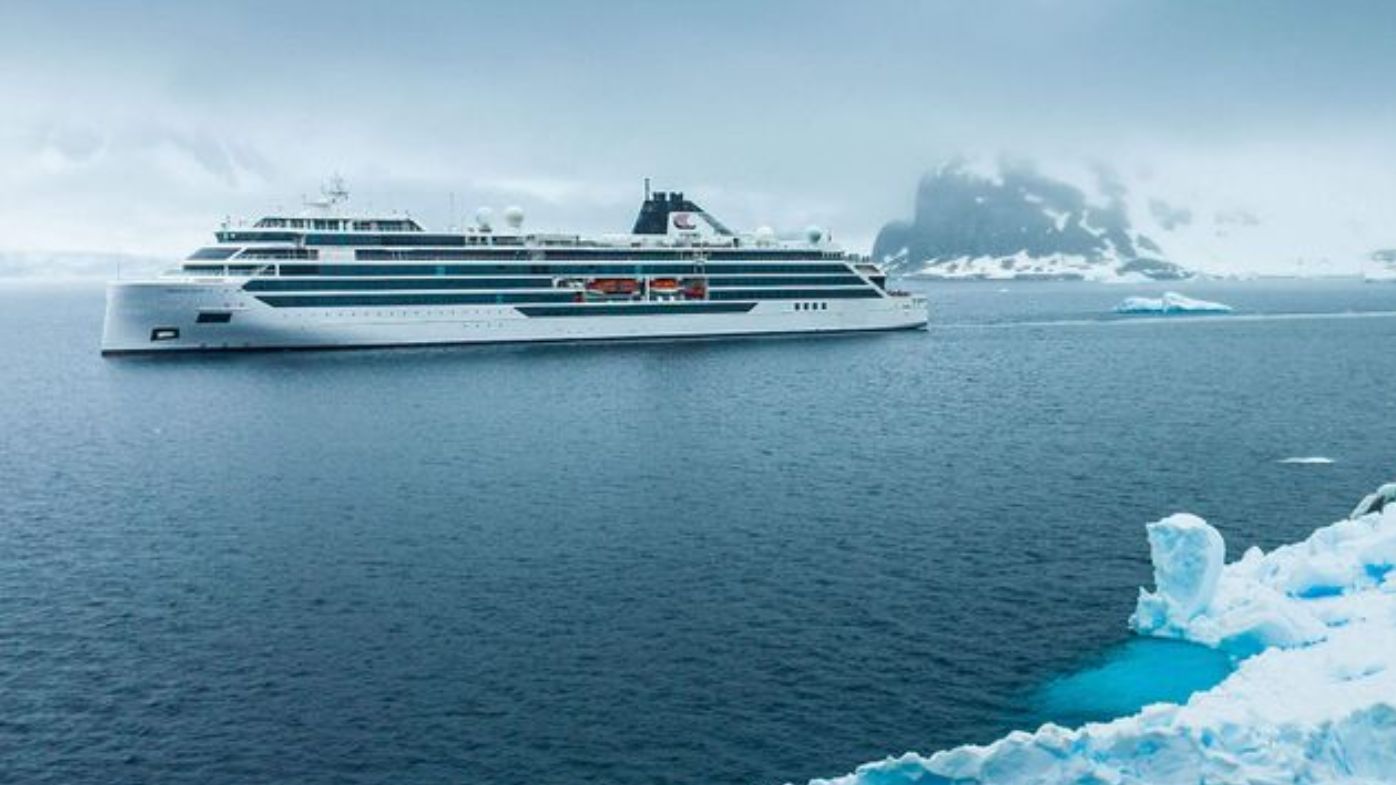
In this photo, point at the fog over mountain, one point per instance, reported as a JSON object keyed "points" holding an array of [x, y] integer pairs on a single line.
{"points": [[1014, 222], [1001, 218]]}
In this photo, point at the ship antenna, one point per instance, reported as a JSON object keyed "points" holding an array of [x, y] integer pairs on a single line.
{"points": [[336, 191], [647, 189]]}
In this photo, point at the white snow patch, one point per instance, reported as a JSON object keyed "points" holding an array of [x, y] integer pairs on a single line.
{"points": [[1169, 303], [1129, 278], [1314, 703], [1018, 266]]}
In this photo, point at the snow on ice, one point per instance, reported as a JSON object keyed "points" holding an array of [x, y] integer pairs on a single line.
{"points": [[1169, 303], [1312, 699]]}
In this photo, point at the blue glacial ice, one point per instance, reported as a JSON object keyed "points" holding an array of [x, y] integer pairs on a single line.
{"points": [[1312, 698], [1169, 303], [1127, 677]]}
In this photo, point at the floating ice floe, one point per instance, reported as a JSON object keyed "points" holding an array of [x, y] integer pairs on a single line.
{"points": [[1312, 699], [1169, 303], [1308, 459]]}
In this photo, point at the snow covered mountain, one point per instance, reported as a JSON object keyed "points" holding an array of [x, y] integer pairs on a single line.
{"points": [[1312, 698], [1154, 219], [1011, 221]]}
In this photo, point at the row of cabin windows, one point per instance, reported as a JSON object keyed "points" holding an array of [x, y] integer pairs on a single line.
{"points": [[331, 300], [267, 284], [339, 224], [633, 310], [215, 252], [374, 254], [575, 253], [341, 300], [224, 269], [453, 246], [557, 269], [294, 253], [718, 275], [811, 306], [792, 294], [279, 253]]}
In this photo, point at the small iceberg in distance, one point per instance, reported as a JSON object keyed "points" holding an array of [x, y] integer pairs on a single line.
{"points": [[1307, 460], [1169, 303]]}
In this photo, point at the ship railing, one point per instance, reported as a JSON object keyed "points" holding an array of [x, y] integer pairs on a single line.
{"points": [[226, 270]]}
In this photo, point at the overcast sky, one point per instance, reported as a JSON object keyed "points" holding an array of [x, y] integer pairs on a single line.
{"points": [[134, 127]]}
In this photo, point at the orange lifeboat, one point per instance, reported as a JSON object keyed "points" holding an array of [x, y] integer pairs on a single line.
{"points": [[613, 285], [664, 285]]}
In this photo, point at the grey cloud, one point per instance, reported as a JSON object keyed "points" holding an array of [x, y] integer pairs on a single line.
{"points": [[75, 144], [1168, 216]]}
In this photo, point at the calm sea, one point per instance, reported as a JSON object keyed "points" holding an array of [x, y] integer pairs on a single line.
{"points": [[744, 561]]}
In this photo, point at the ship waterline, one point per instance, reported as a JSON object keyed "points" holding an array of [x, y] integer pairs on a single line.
{"points": [[331, 281]]}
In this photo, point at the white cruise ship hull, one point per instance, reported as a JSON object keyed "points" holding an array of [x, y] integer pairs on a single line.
{"points": [[179, 314]]}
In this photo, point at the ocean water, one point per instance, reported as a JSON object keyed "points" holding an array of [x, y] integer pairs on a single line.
{"points": [[742, 561]]}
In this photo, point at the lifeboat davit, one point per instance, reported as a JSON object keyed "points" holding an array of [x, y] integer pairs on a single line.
{"points": [[695, 288]]}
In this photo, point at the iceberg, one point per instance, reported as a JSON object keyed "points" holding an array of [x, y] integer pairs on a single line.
{"points": [[1312, 698], [1169, 303]]}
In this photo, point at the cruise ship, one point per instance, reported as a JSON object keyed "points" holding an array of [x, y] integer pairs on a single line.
{"points": [[330, 279]]}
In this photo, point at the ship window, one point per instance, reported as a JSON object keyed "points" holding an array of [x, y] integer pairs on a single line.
{"points": [[164, 334], [256, 236], [280, 253], [787, 294], [214, 317], [213, 253]]}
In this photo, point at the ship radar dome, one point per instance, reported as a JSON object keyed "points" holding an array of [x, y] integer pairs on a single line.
{"points": [[765, 235], [814, 234], [484, 218], [514, 215]]}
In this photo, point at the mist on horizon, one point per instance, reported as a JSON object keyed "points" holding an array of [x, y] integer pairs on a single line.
{"points": [[133, 129]]}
